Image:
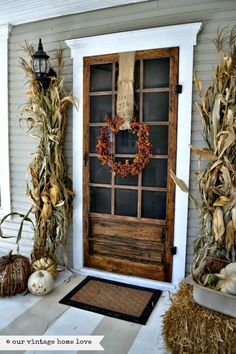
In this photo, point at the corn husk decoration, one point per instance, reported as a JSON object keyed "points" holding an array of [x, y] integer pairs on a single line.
{"points": [[50, 188], [218, 224], [217, 182]]}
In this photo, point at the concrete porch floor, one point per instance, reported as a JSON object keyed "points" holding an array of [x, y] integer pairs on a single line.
{"points": [[36, 315]]}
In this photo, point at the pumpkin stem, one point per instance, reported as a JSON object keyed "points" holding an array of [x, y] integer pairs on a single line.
{"points": [[9, 256], [40, 274]]}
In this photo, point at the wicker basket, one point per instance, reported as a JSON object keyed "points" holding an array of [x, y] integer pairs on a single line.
{"points": [[14, 273]]}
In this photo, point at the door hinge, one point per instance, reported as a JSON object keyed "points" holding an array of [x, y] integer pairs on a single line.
{"points": [[173, 250], [178, 89]]}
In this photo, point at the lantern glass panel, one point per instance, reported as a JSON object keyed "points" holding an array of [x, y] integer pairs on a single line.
{"points": [[41, 66], [36, 66]]}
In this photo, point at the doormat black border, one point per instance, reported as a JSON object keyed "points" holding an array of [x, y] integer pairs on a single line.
{"points": [[66, 300]]}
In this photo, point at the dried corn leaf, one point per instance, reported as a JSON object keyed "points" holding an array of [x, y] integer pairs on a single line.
{"points": [[45, 197], [233, 213], [54, 191], [203, 152], [60, 203], [226, 140], [24, 217], [198, 84], [222, 201], [226, 178], [180, 183], [46, 212], [215, 164], [229, 235], [218, 224]]}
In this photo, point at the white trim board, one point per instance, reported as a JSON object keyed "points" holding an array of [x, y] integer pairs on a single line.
{"points": [[21, 11], [183, 36], [5, 204]]}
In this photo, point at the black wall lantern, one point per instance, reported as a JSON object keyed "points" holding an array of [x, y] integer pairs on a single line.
{"points": [[41, 66]]}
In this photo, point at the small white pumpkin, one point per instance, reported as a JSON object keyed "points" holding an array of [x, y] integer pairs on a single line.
{"points": [[227, 282], [40, 282]]}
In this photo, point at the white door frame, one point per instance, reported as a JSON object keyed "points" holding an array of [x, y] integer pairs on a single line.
{"points": [[183, 36]]}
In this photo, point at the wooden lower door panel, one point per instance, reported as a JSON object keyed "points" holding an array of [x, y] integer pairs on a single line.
{"points": [[121, 246], [121, 266]]}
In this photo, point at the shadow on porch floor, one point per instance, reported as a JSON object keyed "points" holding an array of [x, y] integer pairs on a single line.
{"points": [[33, 315]]}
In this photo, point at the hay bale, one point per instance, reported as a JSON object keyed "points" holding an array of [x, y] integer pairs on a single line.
{"points": [[189, 328]]}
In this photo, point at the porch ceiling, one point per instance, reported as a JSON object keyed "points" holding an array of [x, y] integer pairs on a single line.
{"points": [[16, 12]]}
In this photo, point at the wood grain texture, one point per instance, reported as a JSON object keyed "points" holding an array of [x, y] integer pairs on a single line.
{"points": [[123, 229], [127, 241], [118, 265], [86, 177], [172, 134], [112, 238], [135, 220], [126, 251]]}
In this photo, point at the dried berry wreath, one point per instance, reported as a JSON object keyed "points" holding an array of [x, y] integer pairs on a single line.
{"points": [[104, 147]]}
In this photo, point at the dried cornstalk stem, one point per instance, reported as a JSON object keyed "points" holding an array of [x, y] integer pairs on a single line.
{"points": [[50, 189]]}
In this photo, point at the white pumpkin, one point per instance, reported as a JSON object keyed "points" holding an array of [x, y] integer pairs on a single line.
{"points": [[227, 282], [40, 282]]}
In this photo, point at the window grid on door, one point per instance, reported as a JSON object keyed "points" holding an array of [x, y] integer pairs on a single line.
{"points": [[113, 186]]}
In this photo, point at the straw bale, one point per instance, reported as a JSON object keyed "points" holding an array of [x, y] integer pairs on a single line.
{"points": [[189, 328]]}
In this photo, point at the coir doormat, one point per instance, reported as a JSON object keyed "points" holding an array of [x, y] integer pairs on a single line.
{"points": [[127, 302]]}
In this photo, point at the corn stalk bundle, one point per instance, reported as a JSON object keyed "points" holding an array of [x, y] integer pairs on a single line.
{"points": [[50, 189], [216, 245], [217, 183]]}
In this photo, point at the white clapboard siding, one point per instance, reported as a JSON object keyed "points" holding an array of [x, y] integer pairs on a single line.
{"points": [[54, 32]]}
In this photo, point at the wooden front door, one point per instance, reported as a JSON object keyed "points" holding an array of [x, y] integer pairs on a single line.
{"points": [[128, 222]]}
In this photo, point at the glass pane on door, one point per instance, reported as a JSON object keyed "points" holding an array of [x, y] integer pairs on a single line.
{"points": [[156, 72], [98, 172], [126, 202], [100, 106], [156, 106], [155, 174], [125, 142], [94, 133], [101, 77], [100, 200], [154, 205], [128, 180], [159, 140]]}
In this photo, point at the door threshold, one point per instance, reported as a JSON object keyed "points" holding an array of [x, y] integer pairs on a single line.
{"points": [[128, 279]]}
